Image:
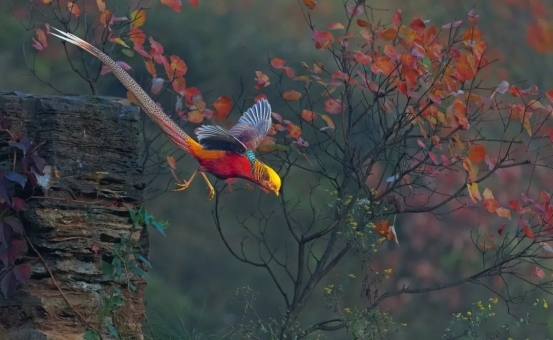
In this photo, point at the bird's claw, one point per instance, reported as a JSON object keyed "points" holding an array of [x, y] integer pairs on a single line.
{"points": [[210, 194], [182, 186]]}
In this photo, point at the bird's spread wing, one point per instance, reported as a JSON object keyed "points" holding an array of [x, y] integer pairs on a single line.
{"points": [[212, 137], [253, 125]]}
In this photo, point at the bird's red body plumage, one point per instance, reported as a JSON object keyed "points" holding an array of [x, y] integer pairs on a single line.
{"points": [[221, 164]]}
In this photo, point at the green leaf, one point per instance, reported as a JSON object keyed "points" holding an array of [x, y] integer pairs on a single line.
{"points": [[107, 268], [143, 259], [127, 52], [139, 271], [160, 227], [112, 329], [91, 335]]}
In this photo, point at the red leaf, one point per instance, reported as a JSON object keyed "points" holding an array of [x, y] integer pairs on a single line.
{"points": [[515, 205], [500, 230], [355, 9], [323, 39], [433, 157], [175, 5], [445, 160], [261, 79], [334, 106], [539, 273], [476, 153], [194, 3], [418, 25], [549, 95], [391, 52], [277, 63], [223, 106], [362, 58], [156, 50], [396, 18]]}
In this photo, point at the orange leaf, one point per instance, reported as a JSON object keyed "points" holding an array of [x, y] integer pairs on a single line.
{"points": [[528, 231], [382, 227], [179, 85], [291, 95], [195, 116], [472, 36], [474, 193], [389, 34], [105, 18], [308, 115], [172, 163], [294, 131], [311, 4], [277, 63], [178, 65], [329, 122], [137, 36], [73, 8], [476, 153], [466, 67], [138, 17], [382, 66], [132, 98], [491, 205], [223, 106]]}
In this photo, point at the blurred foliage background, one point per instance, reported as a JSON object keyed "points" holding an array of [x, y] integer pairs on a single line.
{"points": [[195, 286]]}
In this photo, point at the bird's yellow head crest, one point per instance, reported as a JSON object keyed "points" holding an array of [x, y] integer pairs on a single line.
{"points": [[266, 177]]}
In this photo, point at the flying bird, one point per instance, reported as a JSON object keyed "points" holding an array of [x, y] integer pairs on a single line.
{"points": [[223, 153]]}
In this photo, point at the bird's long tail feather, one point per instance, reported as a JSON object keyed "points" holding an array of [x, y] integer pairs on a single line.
{"points": [[166, 124]]}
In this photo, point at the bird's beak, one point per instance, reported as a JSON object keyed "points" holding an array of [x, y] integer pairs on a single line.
{"points": [[276, 192]]}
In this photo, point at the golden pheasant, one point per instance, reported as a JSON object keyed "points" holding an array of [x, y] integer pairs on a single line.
{"points": [[224, 154]]}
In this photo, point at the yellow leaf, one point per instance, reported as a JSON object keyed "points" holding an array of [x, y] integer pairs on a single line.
{"points": [[120, 41], [488, 195], [291, 95], [503, 212], [474, 193], [138, 17]]}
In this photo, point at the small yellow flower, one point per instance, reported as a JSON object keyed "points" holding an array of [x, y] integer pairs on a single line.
{"points": [[347, 310], [404, 324], [545, 305], [388, 271], [352, 276], [469, 313]]}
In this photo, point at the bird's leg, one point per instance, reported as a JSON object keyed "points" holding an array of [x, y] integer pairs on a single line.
{"points": [[184, 185], [211, 192]]}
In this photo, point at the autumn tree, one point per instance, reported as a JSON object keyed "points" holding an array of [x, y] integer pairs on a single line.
{"points": [[392, 135]]}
